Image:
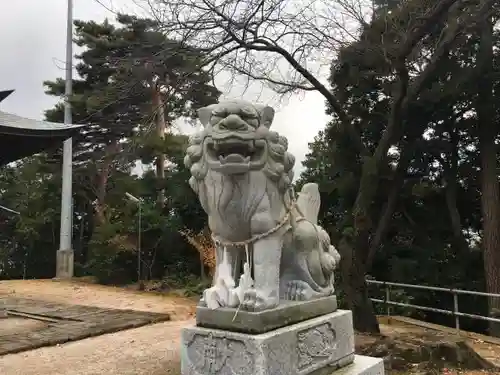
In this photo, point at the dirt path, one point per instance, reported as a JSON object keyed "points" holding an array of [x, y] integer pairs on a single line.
{"points": [[150, 350], [100, 296]]}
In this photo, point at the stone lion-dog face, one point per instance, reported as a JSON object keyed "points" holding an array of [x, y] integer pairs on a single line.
{"points": [[236, 136], [236, 140]]}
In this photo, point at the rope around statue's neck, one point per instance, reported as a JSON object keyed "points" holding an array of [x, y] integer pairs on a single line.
{"points": [[251, 240], [257, 237]]}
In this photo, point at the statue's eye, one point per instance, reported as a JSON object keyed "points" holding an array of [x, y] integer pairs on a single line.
{"points": [[248, 114], [252, 122], [250, 118]]}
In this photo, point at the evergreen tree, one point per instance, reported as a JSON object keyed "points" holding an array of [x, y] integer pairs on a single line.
{"points": [[119, 69], [406, 113]]}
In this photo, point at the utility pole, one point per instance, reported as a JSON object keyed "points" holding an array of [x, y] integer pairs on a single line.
{"points": [[65, 254]]}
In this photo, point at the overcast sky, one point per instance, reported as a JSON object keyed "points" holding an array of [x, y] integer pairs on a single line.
{"points": [[32, 41]]}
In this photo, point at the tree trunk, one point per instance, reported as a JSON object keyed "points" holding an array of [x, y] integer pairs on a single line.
{"points": [[390, 206], [160, 131], [355, 289], [367, 240], [102, 182], [490, 198], [451, 193]]}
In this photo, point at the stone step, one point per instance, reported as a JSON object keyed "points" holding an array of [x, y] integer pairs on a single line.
{"points": [[362, 365]]}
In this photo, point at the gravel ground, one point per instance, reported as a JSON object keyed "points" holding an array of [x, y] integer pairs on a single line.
{"points": [[14, 326], [150, 350], [100, 296]]}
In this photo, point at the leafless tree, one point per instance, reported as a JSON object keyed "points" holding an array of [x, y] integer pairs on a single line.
{"points": [[261, 39], [285, 43]]}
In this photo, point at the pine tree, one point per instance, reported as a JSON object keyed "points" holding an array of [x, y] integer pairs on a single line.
{"points": [[130, 77]]}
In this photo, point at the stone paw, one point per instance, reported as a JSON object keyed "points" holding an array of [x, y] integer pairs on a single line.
{"points": [[299, 291], [211, 298], [215, 297], [255, 300], [233, 298]]}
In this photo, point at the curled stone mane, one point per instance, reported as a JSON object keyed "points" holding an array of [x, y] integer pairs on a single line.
{"points": [[269, 246], [278, 167]]}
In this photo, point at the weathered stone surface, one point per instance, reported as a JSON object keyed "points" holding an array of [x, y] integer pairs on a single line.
{"points": [[300, 349], [242, 173], [68, 323], [288, 312], [362, 366], [327, 370]]}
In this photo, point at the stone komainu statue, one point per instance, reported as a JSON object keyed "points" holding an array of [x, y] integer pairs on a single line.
{"points": [[266, 239]]}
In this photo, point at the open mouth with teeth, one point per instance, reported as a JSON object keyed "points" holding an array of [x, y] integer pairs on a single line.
{"points": [[234, 152]]}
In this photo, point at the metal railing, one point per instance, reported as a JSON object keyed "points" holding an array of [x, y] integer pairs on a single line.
{"points": [[455, 292]]}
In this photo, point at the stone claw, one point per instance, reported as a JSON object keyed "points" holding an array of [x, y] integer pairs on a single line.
{"points": [[233, 300], [298, 291], [215, 297], [254, 300]]}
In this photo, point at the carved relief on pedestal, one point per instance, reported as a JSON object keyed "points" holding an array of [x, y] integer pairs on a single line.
{"points": [[210, 355], [315, 345]]}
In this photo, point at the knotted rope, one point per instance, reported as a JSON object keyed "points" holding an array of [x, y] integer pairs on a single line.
{"points": [[246, 243]]}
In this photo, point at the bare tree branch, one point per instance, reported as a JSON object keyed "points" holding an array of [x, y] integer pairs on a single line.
{"points": [[281, 43], [286, 44]]}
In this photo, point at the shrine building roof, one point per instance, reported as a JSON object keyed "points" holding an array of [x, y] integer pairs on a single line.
{"points": [[21, 137]]}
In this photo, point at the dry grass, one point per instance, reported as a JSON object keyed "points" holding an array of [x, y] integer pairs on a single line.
{"points": [[205, 246]]}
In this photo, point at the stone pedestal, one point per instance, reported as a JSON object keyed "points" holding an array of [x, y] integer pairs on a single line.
{"points": [[322, 345], [65, 264], [288, 312]]}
